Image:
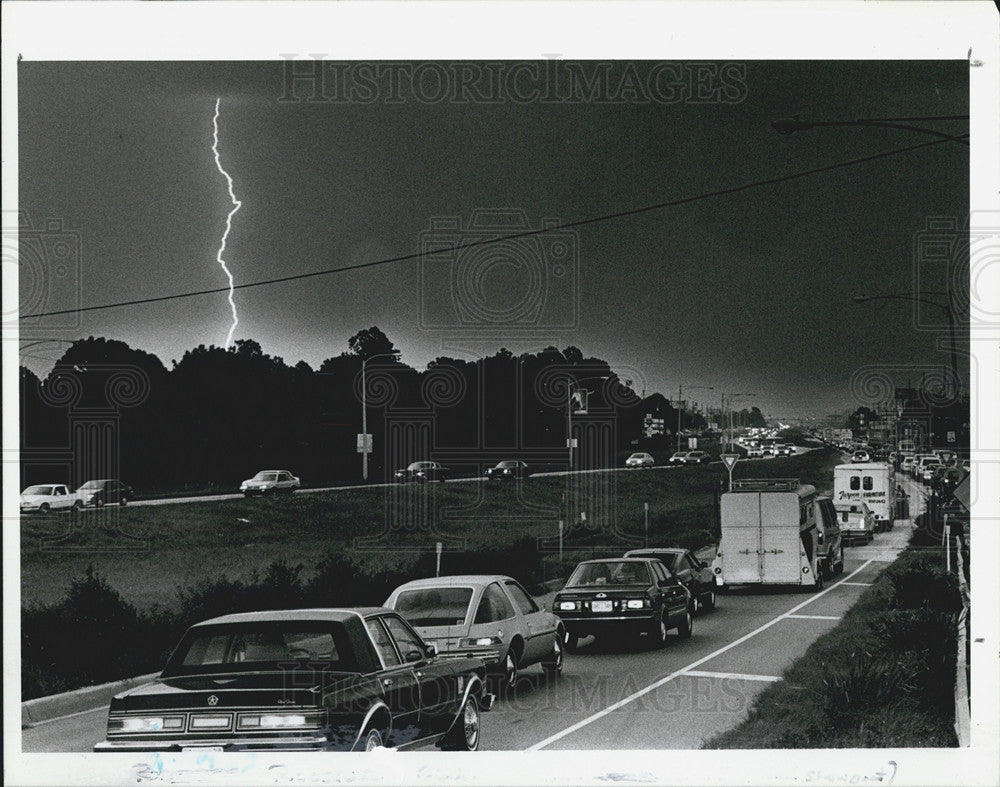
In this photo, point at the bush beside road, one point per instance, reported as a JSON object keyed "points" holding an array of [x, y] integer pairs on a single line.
{"points": [[884, 677]]}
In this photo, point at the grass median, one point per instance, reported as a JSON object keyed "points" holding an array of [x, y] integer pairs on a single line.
{"points": [[884, 677]]}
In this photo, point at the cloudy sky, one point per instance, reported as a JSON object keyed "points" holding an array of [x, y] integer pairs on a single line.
{"points": [[748, 291]]}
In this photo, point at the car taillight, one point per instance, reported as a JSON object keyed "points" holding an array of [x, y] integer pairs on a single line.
{"points": [[146, 724], [275, 721], [637, 603], [567, 606], [479, 642]]}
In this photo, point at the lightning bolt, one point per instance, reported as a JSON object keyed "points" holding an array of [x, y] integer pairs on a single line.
{"points": [[229, 221]]}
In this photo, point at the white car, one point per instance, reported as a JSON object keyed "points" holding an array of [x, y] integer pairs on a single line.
{"points": [[270, 482], [639, 460], [680, 457], [857, 522], [46, 497]]}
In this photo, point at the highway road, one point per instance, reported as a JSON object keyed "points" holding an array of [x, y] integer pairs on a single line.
{"points": [[311, 490], [622, 697]]}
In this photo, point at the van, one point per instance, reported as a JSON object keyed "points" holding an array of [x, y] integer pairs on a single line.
{"points": [[769, 534], [830, 543], [873, 483]]}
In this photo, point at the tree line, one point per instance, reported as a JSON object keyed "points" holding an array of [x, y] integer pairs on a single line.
{"points": [[218, 415]]}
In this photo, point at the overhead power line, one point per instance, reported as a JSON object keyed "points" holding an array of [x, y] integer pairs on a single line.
{"points": [[514, 236]]}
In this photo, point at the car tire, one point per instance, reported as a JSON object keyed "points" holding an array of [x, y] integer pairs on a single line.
{"points": [[818, 586], [709, 602], [374, 740], [686, 625], [123, 501], [77, 505], [658, 634], [554, 666], [571, 641], [466, 731], [98, 502], [508, 678], [43, 508], [839, 568]]}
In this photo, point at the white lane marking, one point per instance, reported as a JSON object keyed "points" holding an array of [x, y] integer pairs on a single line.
{"points": [[737, 675], [34, 724], [858, 584], [818, 617], [656, 684]]}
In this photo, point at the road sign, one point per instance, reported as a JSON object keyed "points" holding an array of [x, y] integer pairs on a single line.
{"points": [[729, 460], [364, 443], [571, 443]]}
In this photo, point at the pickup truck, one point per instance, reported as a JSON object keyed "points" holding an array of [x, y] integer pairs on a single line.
{"points": [[302, 680]]}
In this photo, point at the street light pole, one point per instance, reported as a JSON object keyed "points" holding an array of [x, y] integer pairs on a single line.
{"points": [[364, 410], [680, 405]]}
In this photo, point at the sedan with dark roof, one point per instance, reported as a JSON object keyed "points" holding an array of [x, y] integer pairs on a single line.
{"points": [[302, 680], [626, 595]]}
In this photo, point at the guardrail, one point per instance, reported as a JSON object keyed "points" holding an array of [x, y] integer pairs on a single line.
{"points": [[962, 710], [71, 703]]}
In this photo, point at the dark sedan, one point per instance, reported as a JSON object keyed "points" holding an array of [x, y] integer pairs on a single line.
{"points": [[507, 470], [103, 491], [302, 680], [694, 574], [630, 595], [422, 471]]}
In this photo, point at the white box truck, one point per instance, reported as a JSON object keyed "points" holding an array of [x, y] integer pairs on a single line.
{"points": [[769, 535], [873, 483]]}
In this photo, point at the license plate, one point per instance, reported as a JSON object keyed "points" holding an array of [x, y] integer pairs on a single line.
{"points": [[601, 606], [201, 748]]}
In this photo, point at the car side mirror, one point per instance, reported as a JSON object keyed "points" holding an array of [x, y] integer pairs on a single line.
{"points": [[432, 649], [414, 655]]}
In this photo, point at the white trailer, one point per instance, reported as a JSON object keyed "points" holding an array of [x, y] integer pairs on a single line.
{"points": [[769, 535], [873, 483]]}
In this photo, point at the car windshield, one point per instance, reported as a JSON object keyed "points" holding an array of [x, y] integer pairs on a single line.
{"points": [[609, 572], [261, 646], [265, 477], [420, 466], [94, 485], [38, 490], [444, 606], [680, 453], [507, 465]]}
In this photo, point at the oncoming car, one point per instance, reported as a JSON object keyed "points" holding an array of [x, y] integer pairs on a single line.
{"points": [[639, 460], [679, 457], [488, 616], [302, 680], [270, 482], [507, 470], [629, 595], [46, 497], [422, 471], [696, 458]]}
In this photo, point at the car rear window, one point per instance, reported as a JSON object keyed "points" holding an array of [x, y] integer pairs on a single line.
{"points": [[444, 606], [609, 573], [241, 647]]}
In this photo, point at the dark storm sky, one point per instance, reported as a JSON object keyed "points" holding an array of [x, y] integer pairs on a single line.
{"points": [[745, 292]]}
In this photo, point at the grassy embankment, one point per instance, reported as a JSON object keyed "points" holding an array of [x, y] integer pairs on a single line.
{"points": [[884, 677], [92, 584]]}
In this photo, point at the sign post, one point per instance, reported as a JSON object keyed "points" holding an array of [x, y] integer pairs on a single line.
{"points": [[646, 529], [730, 460], [560, 539], [364, 443], [437, 570]]}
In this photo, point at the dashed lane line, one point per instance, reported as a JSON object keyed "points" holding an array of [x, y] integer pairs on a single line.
{"points": [[735, 675], [656, 684]]}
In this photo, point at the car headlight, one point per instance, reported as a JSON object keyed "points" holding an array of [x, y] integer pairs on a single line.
{"points": [[146, 724], [274, 721], [568, 605], [637, 603], [420, 472], [479, 642]]}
